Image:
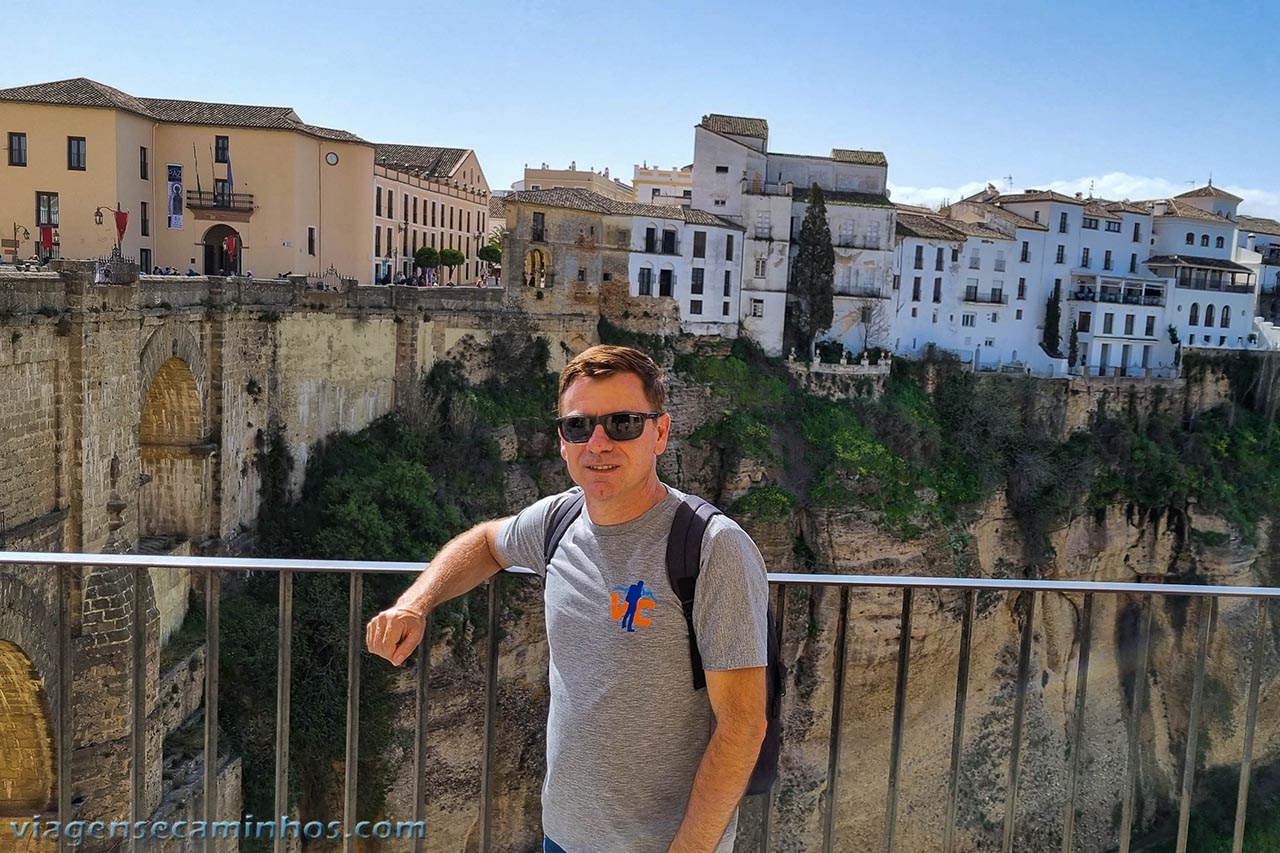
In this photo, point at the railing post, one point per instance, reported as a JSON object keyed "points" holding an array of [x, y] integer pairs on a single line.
{"points": [[209, 810], [899, 711], [1019, 709], [354, 647], [1077, 723], [420, 739], [837, 713], [66, 712], [766, 820], [1251, 720], [138, 778], [1205, 611], [1137, 701], [284, 686], [957, 725]]}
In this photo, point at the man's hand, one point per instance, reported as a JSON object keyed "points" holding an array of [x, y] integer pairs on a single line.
{"points": [[394, 633]]}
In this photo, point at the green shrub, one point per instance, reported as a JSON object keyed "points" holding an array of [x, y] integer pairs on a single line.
{"points": [[768, 503]]}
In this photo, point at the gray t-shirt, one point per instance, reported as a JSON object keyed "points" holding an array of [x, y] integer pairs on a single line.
{"points": [[626, 730]]}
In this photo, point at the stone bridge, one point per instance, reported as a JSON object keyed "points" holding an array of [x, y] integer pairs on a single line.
{"points": [[131, 418]]}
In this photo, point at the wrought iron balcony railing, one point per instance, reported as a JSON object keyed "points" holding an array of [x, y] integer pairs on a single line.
{"points": [[1206, 599], [220, 201]]}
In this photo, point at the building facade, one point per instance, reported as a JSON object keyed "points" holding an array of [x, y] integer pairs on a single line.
{"points": [[735, 176], [432, 197], [217, 188], [546, 178], [653, 185], [675, 256]]}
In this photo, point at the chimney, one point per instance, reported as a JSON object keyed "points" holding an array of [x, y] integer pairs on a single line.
{"points": [[1079, 195], [606, 171], [1160, 208], [573, 165], [1248, 241]]}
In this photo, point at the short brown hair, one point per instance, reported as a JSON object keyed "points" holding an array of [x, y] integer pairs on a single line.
{"points": [[603, 360]]}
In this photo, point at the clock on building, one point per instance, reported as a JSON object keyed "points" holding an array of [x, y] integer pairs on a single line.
{"points": [[331, 158]]}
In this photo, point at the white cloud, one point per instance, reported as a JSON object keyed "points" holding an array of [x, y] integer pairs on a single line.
{"points": [[1114, 186]]}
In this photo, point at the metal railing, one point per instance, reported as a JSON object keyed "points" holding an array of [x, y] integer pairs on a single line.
{"points": [[1030, 592], [992, 298], [219, 200]]}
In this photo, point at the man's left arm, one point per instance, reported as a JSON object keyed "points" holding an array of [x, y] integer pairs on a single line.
{"points": [[738, 699]]}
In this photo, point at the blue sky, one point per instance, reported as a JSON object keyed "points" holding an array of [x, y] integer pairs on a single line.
{"points": [[1140, 98]]}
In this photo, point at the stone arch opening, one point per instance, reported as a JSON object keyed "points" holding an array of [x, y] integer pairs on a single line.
{"points": [[26, 737], [535, 268], [221, 257], [175, 458]]}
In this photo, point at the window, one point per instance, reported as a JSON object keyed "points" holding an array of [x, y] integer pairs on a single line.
{"points": [[975, 262], [377, 201], [1193, 319], [897, 281], [451, 210], [915, 289], [728, 247], [757, 307], [764, 231], [728, 284], [221, 192], [468, 220], [666, 282], [607, 276], [919, 261], [725, 309], [433, 214], [700, 244], [17, 149], [1084, 322], [1018, 314], [1062, 223], [995, 318], [937, 289], [1222, 341], [539, 227], [1000, 260], [311, 239], [1084, 257], [997, 291], [389, 241], [391, 203], [646, 281], [1137, 232], [77, 157], [143, 172], [718, 202], [1106, 260], [1218, 243], [1089, 223], [915, 312], [377, 242], [415, 210], [1208, 315], [722, 170], [864, 314], [582, 273], [1026, 252], [144, 261], [968, 319], [760, 266], [46, 210], [955, 255], [145, 226], [1113, 226], [695, 306], [1204, 240], [1022, 288], [1146, 356], [937, 261], [1128, 324], [1150, 331], [221, 149], [1133, 262], [695, 283], [1035, 216], [1226, 316], [415, 241], [1107, 322], [1191, 239], [1062, 254]]}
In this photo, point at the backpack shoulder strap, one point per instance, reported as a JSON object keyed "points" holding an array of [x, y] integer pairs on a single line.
{"points": [[564, 514], [684, 560]]}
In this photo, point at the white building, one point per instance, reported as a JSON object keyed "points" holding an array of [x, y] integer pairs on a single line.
{"points": [[1263, 236], [736, 176], [653, 185]]}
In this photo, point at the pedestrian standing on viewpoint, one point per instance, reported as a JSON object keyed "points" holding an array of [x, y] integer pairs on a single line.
{"points": [[638, 760]]}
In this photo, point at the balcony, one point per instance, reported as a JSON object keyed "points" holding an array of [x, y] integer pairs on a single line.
{"points": [[858, 243], [763, 232], [239, 202], [861, 291], [667, 245], [766, 188], [1030, 606], [995, 297]]}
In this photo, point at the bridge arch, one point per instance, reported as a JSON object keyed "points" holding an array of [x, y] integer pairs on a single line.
{"points": [[26, 736], [175, 458]]}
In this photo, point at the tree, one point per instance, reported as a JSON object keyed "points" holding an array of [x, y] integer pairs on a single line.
{"points": [[426, 258], [1053, 322], [1073, 345], [814, 273], [451, 258], [490, 254], [875, 321]]}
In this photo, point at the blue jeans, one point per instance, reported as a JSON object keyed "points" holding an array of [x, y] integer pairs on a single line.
{"points": [[549, 846]]}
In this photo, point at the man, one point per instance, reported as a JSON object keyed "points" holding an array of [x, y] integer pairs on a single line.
{"points": [[637, 760]]}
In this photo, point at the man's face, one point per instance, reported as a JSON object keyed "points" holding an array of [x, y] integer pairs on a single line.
{"points": [[608, 470]]}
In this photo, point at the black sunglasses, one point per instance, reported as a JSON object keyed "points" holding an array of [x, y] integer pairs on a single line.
{"points": [[619, 426]]}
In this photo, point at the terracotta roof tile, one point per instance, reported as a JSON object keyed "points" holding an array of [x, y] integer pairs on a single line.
{"points": [[1258, 225], [801, 194], [1040, 195], [497, 207], [1195, 261], [573, 198], [926, 228], [862, 158], [1209, 191], [76, 92], [1187, 211], [1097, 210], [436, 162], [736, 125]]}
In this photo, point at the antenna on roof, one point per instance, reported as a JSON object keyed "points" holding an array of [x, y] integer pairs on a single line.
{"points": [[1090, 189], [1008, 183]]}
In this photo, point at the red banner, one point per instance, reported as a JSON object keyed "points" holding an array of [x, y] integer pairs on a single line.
{"points": [[231, 247], [122, 224], [46, 237]]}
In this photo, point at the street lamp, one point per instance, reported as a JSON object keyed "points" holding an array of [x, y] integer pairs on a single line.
{"points": [[26, 235], [97, 218]]}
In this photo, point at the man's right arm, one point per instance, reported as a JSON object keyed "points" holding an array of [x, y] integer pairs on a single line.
{"points": [[467, 561]]}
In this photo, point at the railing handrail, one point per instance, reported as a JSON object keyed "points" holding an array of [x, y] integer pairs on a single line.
{"points": [[272, 564]]}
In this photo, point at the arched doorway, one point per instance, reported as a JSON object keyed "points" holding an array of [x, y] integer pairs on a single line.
{"points": [[535, 268], [217, 260], [174, 458], [26, 738]]}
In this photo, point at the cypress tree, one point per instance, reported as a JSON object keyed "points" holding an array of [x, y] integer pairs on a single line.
{"points": [[813, 278], [1053, 322]]}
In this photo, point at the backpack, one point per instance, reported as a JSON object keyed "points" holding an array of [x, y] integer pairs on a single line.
{"points": [[684, 552]]}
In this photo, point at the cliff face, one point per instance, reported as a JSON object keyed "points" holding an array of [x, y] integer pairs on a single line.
{"points": [[1118, 544]]}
